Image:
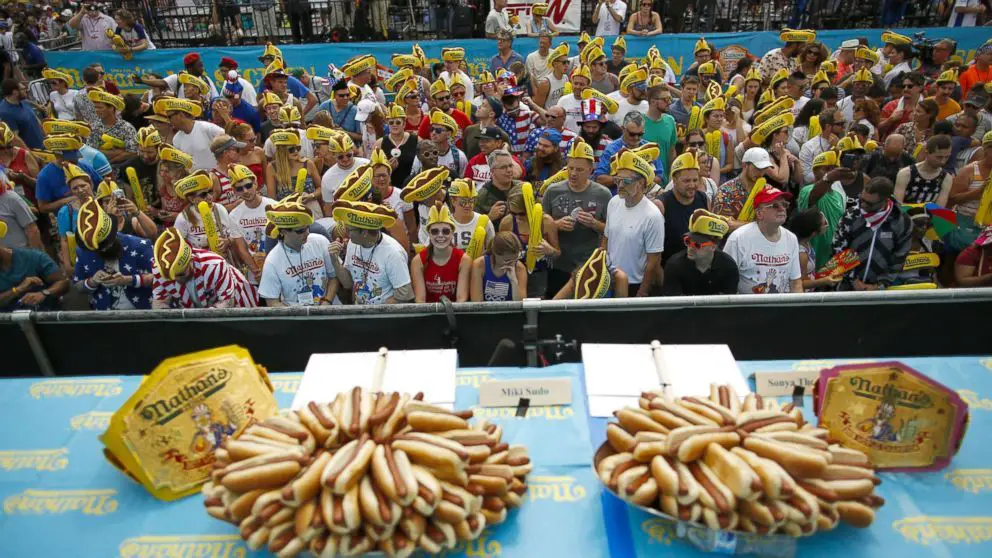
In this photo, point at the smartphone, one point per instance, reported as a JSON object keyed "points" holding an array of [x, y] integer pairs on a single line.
{"points": [[119, 194], [850, 160]]}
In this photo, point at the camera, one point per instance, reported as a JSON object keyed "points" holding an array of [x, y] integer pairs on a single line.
{"points": [[923, 48], [851, 160]]}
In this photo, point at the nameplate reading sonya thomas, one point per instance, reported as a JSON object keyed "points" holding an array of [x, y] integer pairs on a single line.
{"points": [[779, 384], [540, 392]]}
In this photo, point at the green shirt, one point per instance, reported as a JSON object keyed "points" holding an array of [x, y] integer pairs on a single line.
{"points": [[662, 132], [832, 205]]}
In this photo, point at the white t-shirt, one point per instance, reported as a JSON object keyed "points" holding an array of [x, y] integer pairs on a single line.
{"points": [[573, 112], [632, 233], [447, 161], [297, 278], [537, 65], [963, 20], [626, 107], [902, 67], [306, 146], [378, 271], [252, 222], [607, 26], [396, 202], [469, 86], [197, 237], [197, 143], [63, 104], [764, 267], [463, 233], [334, 176], [173, 82]]}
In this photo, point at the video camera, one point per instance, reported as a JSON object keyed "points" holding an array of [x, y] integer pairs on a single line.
{"points": [[923, 47]]}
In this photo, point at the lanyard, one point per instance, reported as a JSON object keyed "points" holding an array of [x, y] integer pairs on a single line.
{"points": [[365, 271], [306, 278]]}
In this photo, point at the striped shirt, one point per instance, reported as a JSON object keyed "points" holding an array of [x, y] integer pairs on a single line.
{"points": [[214, 281], [597, 150], [518, 127], [227, 193]]}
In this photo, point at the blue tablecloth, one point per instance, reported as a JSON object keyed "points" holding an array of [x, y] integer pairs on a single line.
{"points": [[61, 498]]}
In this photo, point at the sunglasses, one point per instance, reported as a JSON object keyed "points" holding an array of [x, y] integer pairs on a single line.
{"points": [[633, 134], [438, 129], [395, 122], [624, 182], [293, 149], [430, 154], [690, 243], [200, 195], [244, 188], [300, 230], [641, 86], [440, 232], [459, 95], [443, 99], [412, 96], [697, 144]]}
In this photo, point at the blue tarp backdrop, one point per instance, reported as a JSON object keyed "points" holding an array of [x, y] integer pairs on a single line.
{"points": [[677, 50]]}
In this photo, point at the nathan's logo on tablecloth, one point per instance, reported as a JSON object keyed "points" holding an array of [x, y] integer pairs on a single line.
{"points": [[93, 420], [96, 387], [971, 480], [659, 531], [549, 412], [483, 547], [214, 546], [986, 362], [203, 386], [974, 401], [39, 460], [558, 489], [471, 378], [286, 383], [927, 530], [55, 502]]}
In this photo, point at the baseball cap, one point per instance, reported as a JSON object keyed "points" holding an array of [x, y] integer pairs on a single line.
{"points": [[770, 194], [365, 108], [223, 142], [489, 132], [977, 100], [850, 44], [758, 157]]}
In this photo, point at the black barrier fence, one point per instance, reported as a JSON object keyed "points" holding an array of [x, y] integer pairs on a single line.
{"points": [[188, 23], [766, 327]]}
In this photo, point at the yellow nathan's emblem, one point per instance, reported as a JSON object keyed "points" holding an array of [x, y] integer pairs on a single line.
{"points": [[659, 531], [286, 383], [556, 488], [39, 460], [926, 530], [971, 480], [548, 412], [55, 502], [986, 362], [97, 387], [214, 546], [474, 378], [483, 547], [974, 401], [93, 420]]}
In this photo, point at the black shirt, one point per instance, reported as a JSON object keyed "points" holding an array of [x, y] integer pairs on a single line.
{"points": [[407, 154], [879, 165], [147, 177], [677, 221], [682, 278]]}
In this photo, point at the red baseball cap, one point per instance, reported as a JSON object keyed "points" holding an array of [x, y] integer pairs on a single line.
{"points": [[228, 63], [191, 58], [769, 194]]}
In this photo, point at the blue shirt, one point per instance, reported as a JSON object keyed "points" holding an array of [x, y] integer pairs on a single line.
{"points": [[135, 259], [345, 118], [249, 114], [22, 119], [496, 63], [96, 159], [51, 185], [33, 55], [294, 86], [66, 218], [612, 149], [26, 263]]}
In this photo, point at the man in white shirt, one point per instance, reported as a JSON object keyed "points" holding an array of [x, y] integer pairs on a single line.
{"points": [[635, 227], [608, 17], [93, 24], [453, 59], [636, 85], [344, 149], [900, 59], [965, 13], [250, 214], [375, 268], [537, 61], [191, 136], [580, 79], [767, 254], [194, 67], [299, 271], [497, 21]]}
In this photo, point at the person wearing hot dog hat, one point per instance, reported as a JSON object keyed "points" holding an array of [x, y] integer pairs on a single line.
{"points": [[441, 100], [635, 85], [51, 187], [173, 165], [62, 95], [250, 213], [947, 82], [767, 254], [632, 138], [680, 202], [193, 64], [282, 174], [826, 193], [619, 52], [551, 86], [701, 268], [422, 192], [579, 80], [442, 129], [359, 71], [461, 196], [145, 166], [785, 57], [111, 134], [374, 269], [441, 269], [540, 22], [635, 227], [125, 214], [187, 277], [596, 278], [114, 267], [192, 136], [454, 60], [344, 150], [298, 271]]}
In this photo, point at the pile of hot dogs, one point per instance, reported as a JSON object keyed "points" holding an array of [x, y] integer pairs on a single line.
{"points": [[754, 466], [381, 471]]}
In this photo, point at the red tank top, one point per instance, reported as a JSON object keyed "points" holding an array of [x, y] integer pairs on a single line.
{"points": [[441, 280]]}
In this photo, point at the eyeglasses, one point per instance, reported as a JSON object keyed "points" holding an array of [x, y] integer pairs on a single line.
{"points": [[443, 98], [690, 243], [396, 122], [301, 230], [459, 95], [244, 188], [464, 202], [697, 144], [440, 232], [779, 205], [633, 134], [430, 154], [438, 129], [293, 149], [624, 182]]}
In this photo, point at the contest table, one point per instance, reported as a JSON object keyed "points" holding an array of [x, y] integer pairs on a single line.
{"points": [[60, 497]]}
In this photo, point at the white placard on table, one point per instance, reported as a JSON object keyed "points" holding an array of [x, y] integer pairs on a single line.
{"points": [[616, 374], [430, 371]]}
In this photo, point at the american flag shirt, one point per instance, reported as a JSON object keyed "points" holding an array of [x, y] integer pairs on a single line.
{"points": [[135, 259], [535, 135], [518, 127], [214, 281]]}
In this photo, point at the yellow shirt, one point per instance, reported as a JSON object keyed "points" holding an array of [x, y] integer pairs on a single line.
{"points": [[946, 109]]}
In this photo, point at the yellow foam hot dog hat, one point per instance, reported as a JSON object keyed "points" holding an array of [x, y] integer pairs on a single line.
{"points": [[685, 161], [356, 186], [49, 73], [54, 126], [239, 173], [710, 224], [101, 96], [290, 115], [286, 215], [398, 78], [762, 132], [342, 143], [94, 228], [628, 160], [557, 53], [462, 188], [407, 61], [797, 36], [825, 159], [172, 254], [443, 215], [149, 137], [892, 38], [358, 64], [171, 104], [173, 155], [105, 189], [62, 143], [593, 279], [701, 45], [425, 185], [73, 172], [581, 150], [439, 87], [321, 134], [363, 215], [453, 54], [443, 119], [196, 182], [189, 79], [287, 138]]}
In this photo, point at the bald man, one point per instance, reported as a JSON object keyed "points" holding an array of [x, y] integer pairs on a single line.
{"points": [[888, 160]]}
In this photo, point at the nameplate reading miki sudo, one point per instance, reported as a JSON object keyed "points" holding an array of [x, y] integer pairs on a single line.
{"points": [[539, 392]]}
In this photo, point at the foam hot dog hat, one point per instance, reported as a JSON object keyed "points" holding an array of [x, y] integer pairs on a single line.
{"points": [[363, 215], [149, 137], [772, 125], [173, 155], [172, 253], [593, 279], [74, 127], [356, 186], [101, 96], [358, 64], [189, 79], [61, 143], [171, 104], [49, 73], [425, 185], [196, 182], [239, 173], [797, 36], [286, 215], [94, 228], [710, 224]]}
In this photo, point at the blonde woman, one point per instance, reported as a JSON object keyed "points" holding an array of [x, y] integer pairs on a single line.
{"points": [[173, 165], [281, 173]]}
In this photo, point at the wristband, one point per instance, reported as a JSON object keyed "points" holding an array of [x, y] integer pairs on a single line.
{"points": [[13, 290], [136, 281]]}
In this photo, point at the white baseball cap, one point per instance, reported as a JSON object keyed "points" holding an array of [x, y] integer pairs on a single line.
{"points": [[758, 157], [850, 43], [365, 108]]}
